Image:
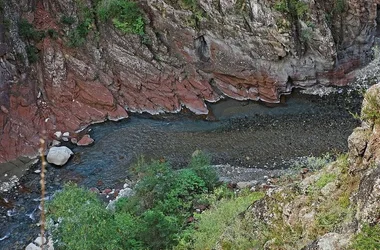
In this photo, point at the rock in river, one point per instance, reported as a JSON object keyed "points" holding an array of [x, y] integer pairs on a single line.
{"points": [[59, 155], [85, 141]]}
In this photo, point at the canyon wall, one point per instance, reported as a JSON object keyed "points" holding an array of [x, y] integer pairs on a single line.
{"points": [[62, 67]]}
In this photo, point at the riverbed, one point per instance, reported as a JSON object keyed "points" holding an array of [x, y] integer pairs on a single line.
{"points": [[249, 135]]}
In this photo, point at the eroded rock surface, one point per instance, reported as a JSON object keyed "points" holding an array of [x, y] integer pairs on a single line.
{"points": [[241, 49], [326, 209]]}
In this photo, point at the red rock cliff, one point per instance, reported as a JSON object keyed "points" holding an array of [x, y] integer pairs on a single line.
{"points": [[186, 57]]}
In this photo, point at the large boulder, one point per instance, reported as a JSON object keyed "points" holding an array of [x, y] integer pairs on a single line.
{"points": [[59, 155]]}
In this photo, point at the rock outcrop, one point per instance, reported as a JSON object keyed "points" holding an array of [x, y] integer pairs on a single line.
{"points": [[335, 207], [187, 56]]}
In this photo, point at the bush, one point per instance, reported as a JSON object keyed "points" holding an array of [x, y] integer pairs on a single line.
{"points": [[212, 223], [200, 163], [84, 221], [126, 16], [32, 53], [77, 36], [293, 8], [151, 219], [52, 33], [368, 238], [67, 20], [324, 179], [371, 111], [27, 31]]}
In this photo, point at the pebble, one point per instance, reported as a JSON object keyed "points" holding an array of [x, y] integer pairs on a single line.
{"points": [[39, 241], [32, 246], [244, 184], [58, 134], [107, 191], [55, 143]]}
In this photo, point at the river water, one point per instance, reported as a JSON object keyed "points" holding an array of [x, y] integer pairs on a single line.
{"points": [[260, 139]]}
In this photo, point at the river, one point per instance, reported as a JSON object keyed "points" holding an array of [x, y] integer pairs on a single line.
{"points": [[260, 139]]}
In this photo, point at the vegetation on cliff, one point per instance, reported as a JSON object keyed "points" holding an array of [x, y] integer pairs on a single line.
{"points": [[125, 15], [157, 216]]}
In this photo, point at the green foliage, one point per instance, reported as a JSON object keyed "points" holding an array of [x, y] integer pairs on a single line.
{"points": [[77, 36], [27, 31], [67, 20], [52, 33], [153, 218], [189, 4], [197, 12], [306, 34], [340, 6], [327, 220], [32, 53], [371, 111], [126, 16], [128, 228], [294, 8], [84, 222], [160, 230], [211, 224], [312, 163], [368, 238], [324, 179], [200, 163]]}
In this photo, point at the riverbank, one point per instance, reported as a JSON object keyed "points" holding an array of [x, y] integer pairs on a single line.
{"points": [[245, 135]]}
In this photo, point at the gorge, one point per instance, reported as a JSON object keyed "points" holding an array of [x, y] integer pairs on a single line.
{"points": [[63, 68], [166, 78]]}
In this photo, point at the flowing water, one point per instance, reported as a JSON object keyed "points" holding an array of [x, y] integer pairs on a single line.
{"points": [[260, 140]]}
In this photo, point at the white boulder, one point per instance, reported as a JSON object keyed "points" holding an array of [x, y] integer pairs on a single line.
{"points": [[59, 155]]}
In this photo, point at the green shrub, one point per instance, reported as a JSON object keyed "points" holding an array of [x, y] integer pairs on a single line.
{"points": [[368, 238], [212, 223], [27, 31], [77, 36], [312, 163], [324, 179], [67, 20], [52, 33], [200, 163], [327, 220], [76, 39], [371, 111], [129, 230], [340, 6], [84, 221], [153, 218], [189, 4], [160, 230], [293, 8], [32, 53], [126, 16]]}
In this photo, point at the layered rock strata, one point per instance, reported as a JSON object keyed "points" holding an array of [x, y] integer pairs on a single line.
{"points": [[185, 58]]}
